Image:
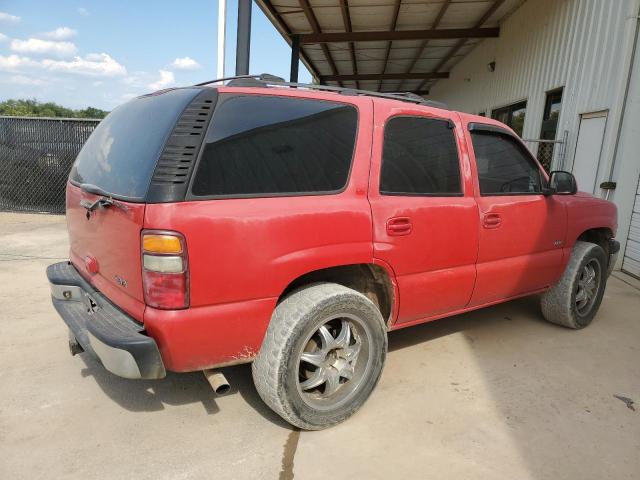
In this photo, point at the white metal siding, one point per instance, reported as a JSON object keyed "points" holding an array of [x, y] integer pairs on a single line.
{"points": [[581, 45], [631, 263]]}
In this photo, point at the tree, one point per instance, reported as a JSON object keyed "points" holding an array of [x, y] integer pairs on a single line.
{"points": [[34, 108]]}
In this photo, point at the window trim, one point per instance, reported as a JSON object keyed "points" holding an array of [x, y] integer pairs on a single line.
{"points": [[190, 196], [486, 127], [452, 126]]}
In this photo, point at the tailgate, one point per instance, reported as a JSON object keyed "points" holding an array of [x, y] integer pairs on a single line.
{"points": [[105, 248]]}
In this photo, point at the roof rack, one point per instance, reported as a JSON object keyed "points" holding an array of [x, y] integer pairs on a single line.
{"points": [[266, 79]]}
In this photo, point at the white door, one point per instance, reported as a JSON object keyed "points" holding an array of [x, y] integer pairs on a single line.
{"points": [[631, 263], [587, 158]]}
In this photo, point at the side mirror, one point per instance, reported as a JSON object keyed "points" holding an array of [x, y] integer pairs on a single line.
{"points": [[562, 183]]}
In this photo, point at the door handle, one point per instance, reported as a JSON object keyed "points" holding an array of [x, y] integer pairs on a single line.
{"points": [[491, 220], [397, 226]]}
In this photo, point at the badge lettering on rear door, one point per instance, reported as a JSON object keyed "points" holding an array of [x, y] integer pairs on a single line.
{"points": [[121, 281]]}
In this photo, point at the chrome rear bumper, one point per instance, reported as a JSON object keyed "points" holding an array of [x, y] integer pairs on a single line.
{"points": [[102, 329]]}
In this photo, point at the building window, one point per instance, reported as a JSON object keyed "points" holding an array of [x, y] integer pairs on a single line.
{"points": [[512, 115], [482, 114], [549, 127], [419, 157]]}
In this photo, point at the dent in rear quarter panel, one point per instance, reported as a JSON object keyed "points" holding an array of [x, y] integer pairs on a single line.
{"points": [[244, 252]]}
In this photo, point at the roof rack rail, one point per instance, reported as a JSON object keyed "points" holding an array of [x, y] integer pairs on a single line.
{"points": [[266, 79], [262, 77]]}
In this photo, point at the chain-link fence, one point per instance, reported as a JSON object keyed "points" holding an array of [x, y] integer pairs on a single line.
{"points": [[546, 150], [36, 155]]}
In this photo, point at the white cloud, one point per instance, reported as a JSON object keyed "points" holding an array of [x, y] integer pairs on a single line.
{"points": [[24, 80], [166, 79], [3, 37], [5, 17], [61, 33], [96, 64], [14, 62], [83, 11], [43, 47], [185, 63]]}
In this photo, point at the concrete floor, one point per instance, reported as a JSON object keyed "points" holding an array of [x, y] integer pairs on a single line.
{"points": [[495, 394]]}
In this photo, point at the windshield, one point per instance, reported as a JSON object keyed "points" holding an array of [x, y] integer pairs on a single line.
{"points": [[120, 155]]}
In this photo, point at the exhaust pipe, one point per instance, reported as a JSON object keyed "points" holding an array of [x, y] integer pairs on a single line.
{"points": [[74, 346], [217, 380]]}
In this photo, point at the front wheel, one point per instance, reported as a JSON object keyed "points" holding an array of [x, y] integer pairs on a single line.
{"points": [[575, 299], [322, 355]]}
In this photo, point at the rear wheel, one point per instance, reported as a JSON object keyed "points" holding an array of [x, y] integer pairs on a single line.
{"points": [[322, 355], [575, 299]]}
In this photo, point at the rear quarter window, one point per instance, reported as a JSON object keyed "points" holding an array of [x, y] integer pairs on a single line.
{"points": [[121, 153], [268, 145]]}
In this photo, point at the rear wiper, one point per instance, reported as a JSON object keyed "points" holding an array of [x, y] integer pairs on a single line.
{"points": [[104, 201]]}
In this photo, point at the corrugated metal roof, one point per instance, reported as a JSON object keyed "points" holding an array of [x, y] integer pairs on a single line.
{"points": [[392, 58]]}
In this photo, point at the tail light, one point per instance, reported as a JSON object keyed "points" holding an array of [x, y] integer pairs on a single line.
{"points": [[165, 270]]}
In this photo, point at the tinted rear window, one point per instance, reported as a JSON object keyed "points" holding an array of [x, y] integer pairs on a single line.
{"points": [[264, 145], [122, 152], [420, 157]]}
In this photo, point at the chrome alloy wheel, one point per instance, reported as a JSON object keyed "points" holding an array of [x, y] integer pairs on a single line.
{"points": [[333, 361], [587, 287]]}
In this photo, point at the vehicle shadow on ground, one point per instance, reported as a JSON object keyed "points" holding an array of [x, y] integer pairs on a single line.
{"points": [[176, 389], [187, 388], [484, 318]]}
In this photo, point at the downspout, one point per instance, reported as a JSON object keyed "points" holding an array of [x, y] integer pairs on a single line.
{"points": [[636, 18]]}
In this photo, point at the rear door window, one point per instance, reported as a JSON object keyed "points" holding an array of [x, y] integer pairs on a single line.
{"points": [[269, 145], [420, 157], [121, 153]]}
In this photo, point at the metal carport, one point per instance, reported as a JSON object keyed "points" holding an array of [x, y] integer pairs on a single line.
{"points": [[384, 45]]}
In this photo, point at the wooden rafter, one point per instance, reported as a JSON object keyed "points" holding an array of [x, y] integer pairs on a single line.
{"points": [[444, 33], [315, 26], [346, 20], [423, 45], [494, 6], [392, 27], [270, 12], [385, 76]]}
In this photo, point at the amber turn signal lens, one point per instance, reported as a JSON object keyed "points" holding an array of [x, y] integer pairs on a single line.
{"points": [[161, 244]]}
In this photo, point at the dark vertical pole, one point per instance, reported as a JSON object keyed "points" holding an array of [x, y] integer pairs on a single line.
{"points": [[295, 58], [243, 44]]}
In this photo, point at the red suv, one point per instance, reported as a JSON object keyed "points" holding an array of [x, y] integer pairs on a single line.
{"points": [[294, 227]]}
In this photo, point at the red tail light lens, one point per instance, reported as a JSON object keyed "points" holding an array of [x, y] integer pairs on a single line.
{"points": [[165, 270]]}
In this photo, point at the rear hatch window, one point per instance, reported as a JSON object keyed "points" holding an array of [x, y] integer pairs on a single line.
{"points": [[121, 154], [268, 145]]}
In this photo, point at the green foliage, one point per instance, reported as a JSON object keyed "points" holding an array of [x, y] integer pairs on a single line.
{"points": [[34, 108]]}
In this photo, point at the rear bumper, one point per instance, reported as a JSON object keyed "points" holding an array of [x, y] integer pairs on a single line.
{"points": [[100, 328]]}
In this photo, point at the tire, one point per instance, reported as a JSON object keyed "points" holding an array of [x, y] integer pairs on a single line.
{"points": [[297, 354], [571, 302]]}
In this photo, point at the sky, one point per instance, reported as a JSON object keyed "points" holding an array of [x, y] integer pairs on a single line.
{"points": [[102, 53]]}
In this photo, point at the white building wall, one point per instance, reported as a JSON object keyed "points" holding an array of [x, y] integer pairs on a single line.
{"points": [[627, 169], [585, 46]]}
